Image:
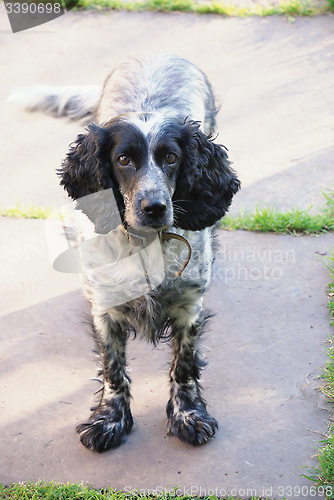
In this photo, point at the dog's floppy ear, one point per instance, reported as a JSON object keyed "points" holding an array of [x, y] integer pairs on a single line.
{"points": [[206, 183], [82, 170], [86, 170]]}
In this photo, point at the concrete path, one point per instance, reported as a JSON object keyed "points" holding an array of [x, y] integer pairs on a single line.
{"points": [[265, 346]]}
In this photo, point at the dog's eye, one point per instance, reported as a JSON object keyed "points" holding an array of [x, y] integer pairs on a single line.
{"points": [[171, 158], [123, 160]]}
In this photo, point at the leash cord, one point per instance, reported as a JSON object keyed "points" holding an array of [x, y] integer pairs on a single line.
{"points": [[170, 236]]}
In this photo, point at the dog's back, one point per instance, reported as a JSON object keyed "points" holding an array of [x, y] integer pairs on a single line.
{"points": [[163, 84]]}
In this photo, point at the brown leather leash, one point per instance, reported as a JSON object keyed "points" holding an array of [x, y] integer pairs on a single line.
{"points": [[170, 236]]}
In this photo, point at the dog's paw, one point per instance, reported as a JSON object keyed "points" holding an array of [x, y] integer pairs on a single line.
{"points": [[192, 426], [102, 432]]}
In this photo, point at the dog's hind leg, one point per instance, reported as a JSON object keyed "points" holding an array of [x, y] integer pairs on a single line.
{"points": [[186, 409], [111, 421]]}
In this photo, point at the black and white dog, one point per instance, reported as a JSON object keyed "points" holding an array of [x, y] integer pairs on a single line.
{"points": [[151, 145]]}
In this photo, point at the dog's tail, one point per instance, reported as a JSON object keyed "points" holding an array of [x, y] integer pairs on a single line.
{"points": [[74, 102]]}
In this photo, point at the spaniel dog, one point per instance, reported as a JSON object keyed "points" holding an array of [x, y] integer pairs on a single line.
{"points": [[151, 147]]}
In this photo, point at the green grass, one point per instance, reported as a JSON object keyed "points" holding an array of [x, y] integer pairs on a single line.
{"points": [[284, 7], [294, 221], [268, 219], [53, 491], [30, 212]]}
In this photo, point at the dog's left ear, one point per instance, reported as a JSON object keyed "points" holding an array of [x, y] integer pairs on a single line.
{"points": [[206, 183]]}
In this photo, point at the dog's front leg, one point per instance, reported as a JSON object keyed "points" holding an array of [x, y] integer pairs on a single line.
{"points": [[186, 409], [111, 421]]}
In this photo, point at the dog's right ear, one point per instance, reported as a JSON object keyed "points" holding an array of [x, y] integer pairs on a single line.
{"points": [[86, 170], [83, 170]]}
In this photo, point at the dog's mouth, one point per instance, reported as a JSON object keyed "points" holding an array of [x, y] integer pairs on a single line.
{"points": [[144, 224], [163, 223]]}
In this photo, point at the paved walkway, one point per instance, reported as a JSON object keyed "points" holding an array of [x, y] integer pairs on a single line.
{"points": [[266, 344]]}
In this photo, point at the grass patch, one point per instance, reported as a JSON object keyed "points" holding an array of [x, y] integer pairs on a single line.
{"points": [[323, 476], [284, 7], [267, 219], [50, 491], [53, 491], [294, 221], [30, 212]]}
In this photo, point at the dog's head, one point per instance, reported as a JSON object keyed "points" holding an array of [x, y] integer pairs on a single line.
{"points": [[163, 173]]}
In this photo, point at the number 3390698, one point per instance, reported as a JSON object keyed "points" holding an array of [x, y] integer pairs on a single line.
{"points": [[33, 8]]}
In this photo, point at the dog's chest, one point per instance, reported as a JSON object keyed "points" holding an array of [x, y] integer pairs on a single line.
{"points": [[177, 300], [141, 289]]}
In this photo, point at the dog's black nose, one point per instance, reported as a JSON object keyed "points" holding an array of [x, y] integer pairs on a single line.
{"points": [[153, 207]]}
